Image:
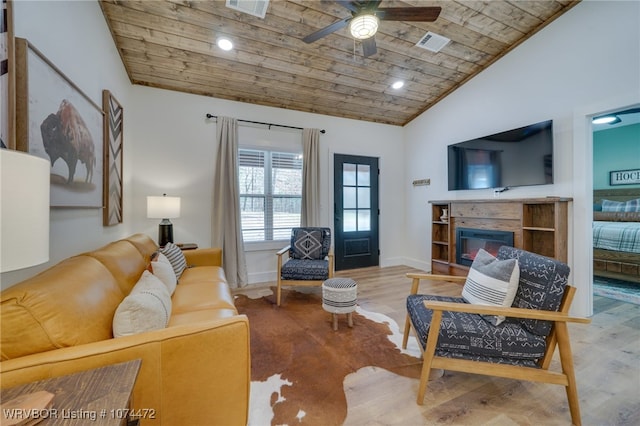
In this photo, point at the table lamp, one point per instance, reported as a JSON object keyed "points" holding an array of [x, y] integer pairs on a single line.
{"points": [[164, 208], [24, 211]]}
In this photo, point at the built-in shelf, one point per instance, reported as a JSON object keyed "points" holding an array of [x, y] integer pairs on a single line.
{"points": [[539, 225]]}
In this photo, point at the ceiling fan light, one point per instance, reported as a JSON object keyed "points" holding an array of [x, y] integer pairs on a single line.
{"points": [[364, 26]]}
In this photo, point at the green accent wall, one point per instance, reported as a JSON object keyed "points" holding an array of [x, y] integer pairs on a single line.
{"points": [[615, 149]]}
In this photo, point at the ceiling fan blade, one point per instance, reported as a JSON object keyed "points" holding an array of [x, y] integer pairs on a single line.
{"points": [[327, 30], [369, 46], [422, 14]]}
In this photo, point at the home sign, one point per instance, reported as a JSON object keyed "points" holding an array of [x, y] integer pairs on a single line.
{"points": [[624, 177]]}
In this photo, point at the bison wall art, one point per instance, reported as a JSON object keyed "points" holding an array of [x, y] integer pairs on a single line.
{"points": [[65, 135]]}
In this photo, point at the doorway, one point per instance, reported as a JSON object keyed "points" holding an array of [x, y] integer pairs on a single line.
{"points": [[616, 258], [356, 211]]}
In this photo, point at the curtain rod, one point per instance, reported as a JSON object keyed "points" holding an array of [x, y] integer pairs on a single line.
{"points": [[266, 124]]}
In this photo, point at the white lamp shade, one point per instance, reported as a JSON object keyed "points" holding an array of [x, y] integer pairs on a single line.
{"points": [[364, 26], [24, 212], [163, 207]]}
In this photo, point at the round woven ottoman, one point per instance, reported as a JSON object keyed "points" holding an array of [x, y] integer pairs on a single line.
{"points": [[339, 296]]}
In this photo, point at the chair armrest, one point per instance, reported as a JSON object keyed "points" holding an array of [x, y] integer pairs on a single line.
{"points": [[416, 277], [283, 251], [507, 312], [436, 277]]}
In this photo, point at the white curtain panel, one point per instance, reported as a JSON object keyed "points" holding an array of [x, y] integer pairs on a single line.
{"points": [[226, 225], [310, 214]]}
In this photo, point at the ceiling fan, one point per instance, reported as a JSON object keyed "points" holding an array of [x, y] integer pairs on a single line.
{"points": [[365, 17]]}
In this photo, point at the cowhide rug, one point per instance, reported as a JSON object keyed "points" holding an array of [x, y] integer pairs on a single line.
{"points": [[299, 363]]}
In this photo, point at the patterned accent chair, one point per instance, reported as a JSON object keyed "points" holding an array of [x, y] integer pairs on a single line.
{"points": [[454, 335], [310, 260]]}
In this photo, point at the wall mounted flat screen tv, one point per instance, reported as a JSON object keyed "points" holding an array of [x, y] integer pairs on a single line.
{"points": [[517, 157]]}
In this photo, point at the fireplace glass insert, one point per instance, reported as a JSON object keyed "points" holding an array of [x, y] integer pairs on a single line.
{"points": [[470, 240]]}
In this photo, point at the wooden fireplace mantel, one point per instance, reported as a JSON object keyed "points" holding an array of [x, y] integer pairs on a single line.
{"points": [[539, 225]]}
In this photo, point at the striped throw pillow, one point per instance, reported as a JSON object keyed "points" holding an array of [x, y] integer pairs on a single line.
{"points": [[176, 258], [492, 282]]}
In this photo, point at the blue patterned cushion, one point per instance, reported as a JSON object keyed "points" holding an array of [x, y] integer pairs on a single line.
{"points": [[621, 206], [469, 336], [542, 284], [299, 269], [311, 243]]}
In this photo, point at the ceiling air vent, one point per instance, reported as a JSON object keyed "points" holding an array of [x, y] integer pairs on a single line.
{"points": [[252, 7], [433, 42]]}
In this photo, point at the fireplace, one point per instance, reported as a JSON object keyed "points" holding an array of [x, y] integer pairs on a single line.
{"points": [[470, 240]]}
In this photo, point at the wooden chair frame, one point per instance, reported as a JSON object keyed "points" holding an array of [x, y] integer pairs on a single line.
{"points": [[559, 336], [301, 283]]}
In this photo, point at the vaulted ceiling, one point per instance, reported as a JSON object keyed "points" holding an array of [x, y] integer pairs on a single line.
{"points": [[172, 45]]}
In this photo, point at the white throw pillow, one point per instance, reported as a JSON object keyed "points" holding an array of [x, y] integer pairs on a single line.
{"points": [[164, 271], [146, 308], [492, 282], [176, 257], [162, 258]]}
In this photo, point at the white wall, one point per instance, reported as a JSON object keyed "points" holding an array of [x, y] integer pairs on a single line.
{"points": [[566, 72], [585, 62], [174, 152], [74, 36]]}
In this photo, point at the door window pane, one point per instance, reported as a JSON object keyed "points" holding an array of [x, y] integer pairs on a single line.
{"points": [[364, 199], [364, 220], [349, 198], [364, 175], [348, 174], [349, 221]]}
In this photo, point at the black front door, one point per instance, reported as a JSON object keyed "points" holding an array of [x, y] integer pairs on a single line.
{"points": [[355, 180]]}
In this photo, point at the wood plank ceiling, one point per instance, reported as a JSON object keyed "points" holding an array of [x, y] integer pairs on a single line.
{"points": [[172, 45]]}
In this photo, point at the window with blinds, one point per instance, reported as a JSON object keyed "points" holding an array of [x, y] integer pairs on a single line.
{"points": [[270, 194]]}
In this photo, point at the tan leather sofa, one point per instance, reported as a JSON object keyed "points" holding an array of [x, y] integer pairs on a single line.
{"points": [[196, 371]]}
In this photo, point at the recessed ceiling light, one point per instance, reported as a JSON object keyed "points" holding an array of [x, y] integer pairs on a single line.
{"points": [[225, 43], [398, 84], [607, 119]]}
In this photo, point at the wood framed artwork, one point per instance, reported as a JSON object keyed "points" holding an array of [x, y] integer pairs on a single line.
{"points": [[7, 75], [624, 177], [57, 121], [113, 117]]}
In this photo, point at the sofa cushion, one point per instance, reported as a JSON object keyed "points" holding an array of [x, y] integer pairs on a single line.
{"points": [[124, 261], [145, 245], [164, 271], [176, 257], [205, 295], [298, 269], [201, 315], [201, 274], [491, 282], [147, 308], [57, 308]]}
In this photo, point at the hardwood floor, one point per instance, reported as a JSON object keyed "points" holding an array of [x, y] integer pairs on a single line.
{"points": [[606, 355]]}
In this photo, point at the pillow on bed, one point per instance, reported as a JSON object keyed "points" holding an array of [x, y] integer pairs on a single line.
{"points": [[621, 206]]}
